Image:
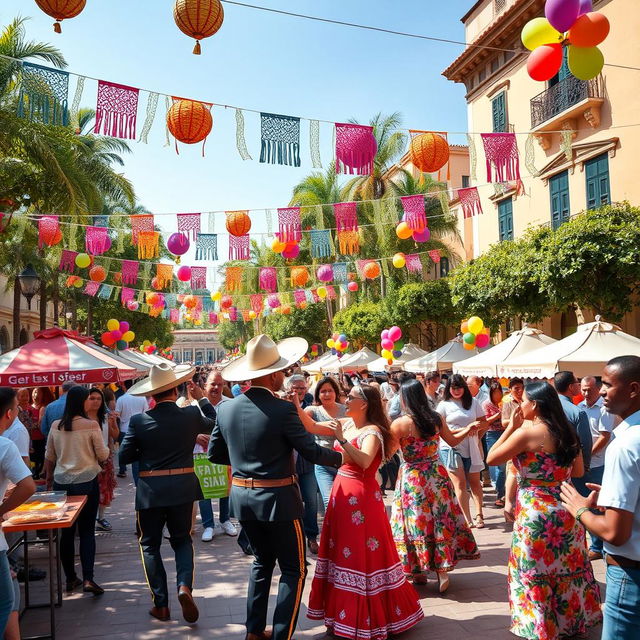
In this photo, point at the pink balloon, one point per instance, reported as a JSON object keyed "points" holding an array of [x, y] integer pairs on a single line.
{"points": [[124, 326], [385, 334], [184, 273], [562, 13], [422, 236], [387, 344], [116, 335], [482, 340], [291, 252], [132, 305], [395, 333]]}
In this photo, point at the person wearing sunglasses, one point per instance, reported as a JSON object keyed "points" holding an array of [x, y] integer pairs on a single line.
{"points": [[356, 544]]}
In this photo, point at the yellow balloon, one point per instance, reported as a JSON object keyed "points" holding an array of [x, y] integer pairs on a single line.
{"points": [[399, 260], [252, 315], [585, 62], [322, 292], [216, 295], [330, 343], [475, 324], [128, 336], [538, 32], [146, 343], [277, 246], [386, 354], [198, 323], [83, 260], [113, 324]]}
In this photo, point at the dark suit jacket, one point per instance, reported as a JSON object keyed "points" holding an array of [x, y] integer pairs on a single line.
{"points": [[578, 418], [164, 438], [256, 434]]}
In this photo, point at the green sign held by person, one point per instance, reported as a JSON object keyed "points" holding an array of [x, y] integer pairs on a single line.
{"points": [[213, 478]]}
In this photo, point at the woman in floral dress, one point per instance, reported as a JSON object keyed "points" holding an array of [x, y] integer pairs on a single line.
{"points": [[429, 528], [552, 590], [359, 587]]}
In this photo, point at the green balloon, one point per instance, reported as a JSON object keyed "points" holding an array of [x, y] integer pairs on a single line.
{"points": [[469, 338], [585, 62]]}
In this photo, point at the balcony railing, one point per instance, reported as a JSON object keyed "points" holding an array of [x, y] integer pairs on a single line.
{"points": [[561, 97]]}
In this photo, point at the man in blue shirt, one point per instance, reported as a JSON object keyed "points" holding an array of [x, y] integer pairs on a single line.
{"points": [[568, 386], [55, 409], [619, 499]]}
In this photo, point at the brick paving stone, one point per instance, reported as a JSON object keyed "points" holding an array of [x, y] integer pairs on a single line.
{"points": [[475, 605]]}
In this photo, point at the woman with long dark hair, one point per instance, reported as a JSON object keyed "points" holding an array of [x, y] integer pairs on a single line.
{"points": [[552, 590], [493, 412], [325, 408], [464, 461], [359, 587], [429, 528], [75, 452], [96, 408]]}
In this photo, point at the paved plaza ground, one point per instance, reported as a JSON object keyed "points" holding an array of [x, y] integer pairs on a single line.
{"points": [[475, 606]]}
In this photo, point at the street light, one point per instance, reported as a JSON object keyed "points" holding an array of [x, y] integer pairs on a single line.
{"points": [[29, 284]]}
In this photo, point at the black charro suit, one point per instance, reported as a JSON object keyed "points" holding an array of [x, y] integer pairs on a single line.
{"points": [[164, 438], [256, 434]]}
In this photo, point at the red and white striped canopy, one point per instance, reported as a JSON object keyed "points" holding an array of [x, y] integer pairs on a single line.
{"points": [[55, 356]]}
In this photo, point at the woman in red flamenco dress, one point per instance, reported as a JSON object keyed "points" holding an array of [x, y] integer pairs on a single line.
{"points": [[359, 587]]}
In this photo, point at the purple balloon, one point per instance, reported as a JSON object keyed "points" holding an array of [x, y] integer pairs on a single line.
{"points": [[562, 13], [586, 6], [178, 244]]}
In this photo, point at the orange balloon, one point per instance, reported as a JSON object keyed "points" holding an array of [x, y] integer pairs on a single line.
{"points": [[97, 273], [589, 30], [371, 270], [403, 231], [464, 327], [468, 347], [277, 246]]}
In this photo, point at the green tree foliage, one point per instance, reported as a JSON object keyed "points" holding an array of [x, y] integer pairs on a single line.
{"points": [[593, 260], [361, 322], [428, 301], [310, 323], [235, 334]]}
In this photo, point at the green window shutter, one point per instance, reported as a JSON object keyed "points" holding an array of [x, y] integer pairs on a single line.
{"points": [[597, 176], [559, 191], [444, 267], [499, 113], [505, 219]]}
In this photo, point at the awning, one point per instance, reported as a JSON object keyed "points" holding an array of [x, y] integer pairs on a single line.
{"points": [[55, 356], [441, 359], [584, 352], [513, 348], [352, 362], [125, 357]]}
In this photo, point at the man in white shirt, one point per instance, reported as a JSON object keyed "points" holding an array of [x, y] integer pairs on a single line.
{"points": [[477, 389], [14, 470], [128, 406], [19, 435], [601, 423], [619, 497]]}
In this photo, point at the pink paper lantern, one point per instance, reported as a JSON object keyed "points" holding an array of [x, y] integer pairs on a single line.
{"points": [[421, 236], [132, 305], [352, 286], [291, 251], [273, 301], [325, 273], [184, 273], [178, 244]]}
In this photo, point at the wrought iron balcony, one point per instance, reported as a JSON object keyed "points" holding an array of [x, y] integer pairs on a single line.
{"points": [[566, 99]]}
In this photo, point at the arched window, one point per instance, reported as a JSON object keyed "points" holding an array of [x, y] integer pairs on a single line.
{"points": [[4, 340]]}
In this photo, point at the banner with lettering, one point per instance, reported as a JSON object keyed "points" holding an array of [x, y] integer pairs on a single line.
{"points": [[215, 479]]}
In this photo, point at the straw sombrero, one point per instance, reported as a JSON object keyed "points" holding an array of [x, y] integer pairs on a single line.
{"points": [[264, 356], [162, 377]]}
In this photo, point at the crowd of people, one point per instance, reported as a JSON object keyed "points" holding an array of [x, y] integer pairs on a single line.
{"points": [[311, 460]]}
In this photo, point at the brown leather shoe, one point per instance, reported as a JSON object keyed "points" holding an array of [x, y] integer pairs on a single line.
{"points": [[189, 610], [160, 613]]}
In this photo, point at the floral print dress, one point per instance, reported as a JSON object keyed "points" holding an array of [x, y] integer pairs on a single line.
{"points": [[429, 528], [359, 587], [552, 590]]}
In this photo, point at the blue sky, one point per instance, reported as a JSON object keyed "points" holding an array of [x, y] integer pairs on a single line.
{"points": [[262, 61]]}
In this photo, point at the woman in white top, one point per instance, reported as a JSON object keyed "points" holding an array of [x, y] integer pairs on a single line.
{"points": [[74, 455], [464, 462]]}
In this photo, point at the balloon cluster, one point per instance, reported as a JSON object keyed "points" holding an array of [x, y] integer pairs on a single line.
{"points": [[404, 231], [118, 334], [288, 250], [156, 301], [315, 350], [338, 343], [148, 347], [474, 333], [388, 339], [571, 22], [74, 281]]}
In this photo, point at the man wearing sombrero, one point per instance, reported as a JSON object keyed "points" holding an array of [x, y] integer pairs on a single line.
{"points": [[256, 433], [162, 441]]}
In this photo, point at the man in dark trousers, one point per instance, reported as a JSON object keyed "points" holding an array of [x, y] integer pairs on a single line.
{"points": [[162, 442], [256, 433]]}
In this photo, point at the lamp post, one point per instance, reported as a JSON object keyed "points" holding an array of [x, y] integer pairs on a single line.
{"points": [[29, 284]]}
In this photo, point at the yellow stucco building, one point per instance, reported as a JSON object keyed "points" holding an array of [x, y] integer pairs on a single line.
{"points": [[577, 146]]}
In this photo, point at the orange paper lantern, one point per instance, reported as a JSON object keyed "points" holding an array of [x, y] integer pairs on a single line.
{"points": [[61, 10], [371, 270], [97, 274], [429, 152], [238, 223], [189, 301], [189, 121], [198, 18], [153, 298], [299, 276]]}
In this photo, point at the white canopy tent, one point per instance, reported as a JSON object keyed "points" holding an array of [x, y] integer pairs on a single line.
{"points": [[318, 365], [584, 352], [514, 347], [441, 359], [354, 361], [409, 352]]}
